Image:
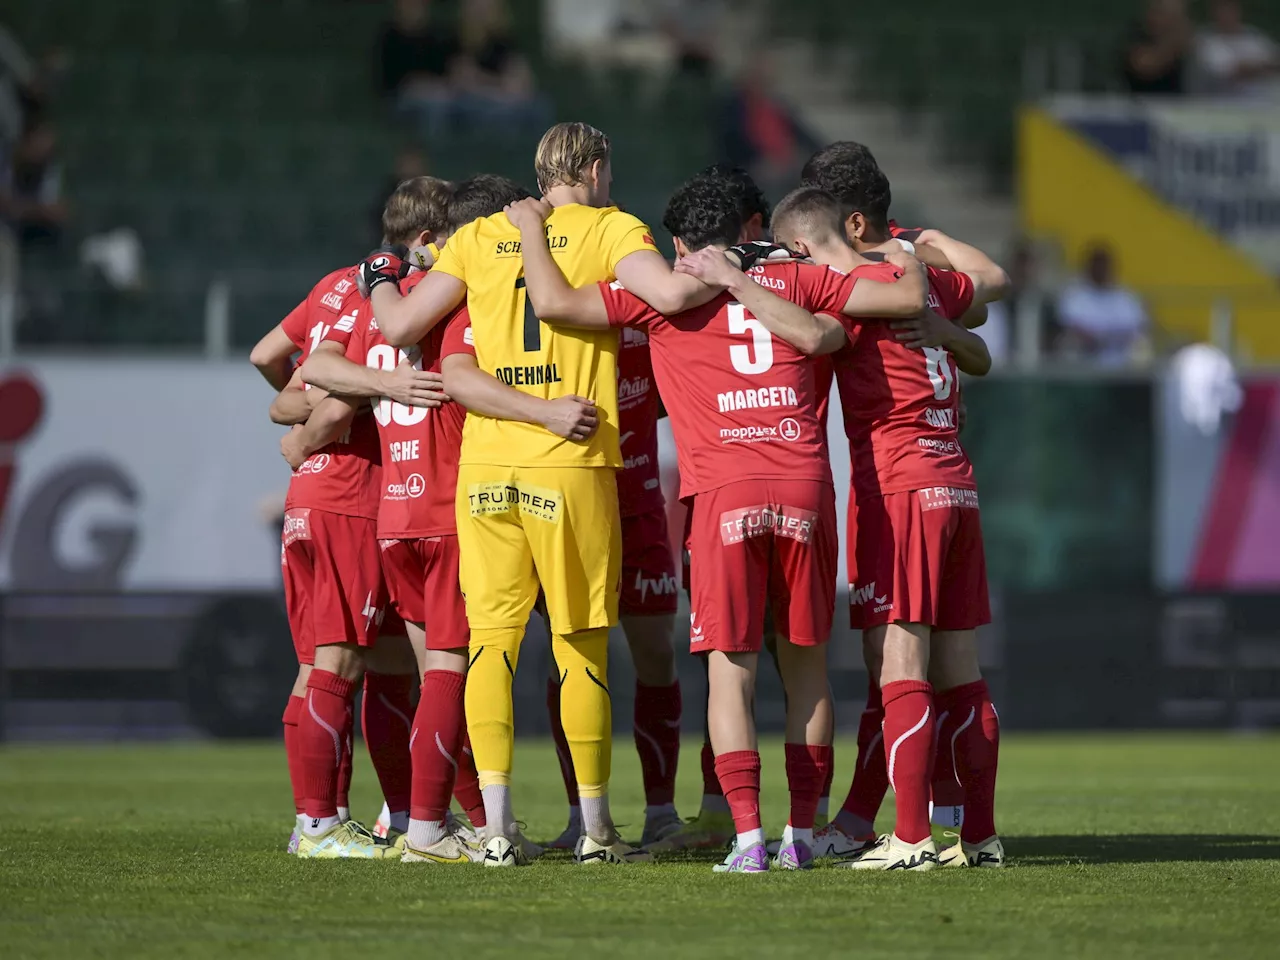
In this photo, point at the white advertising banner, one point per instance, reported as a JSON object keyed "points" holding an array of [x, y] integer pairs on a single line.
{"points": [[138, 474], [165, 474]]}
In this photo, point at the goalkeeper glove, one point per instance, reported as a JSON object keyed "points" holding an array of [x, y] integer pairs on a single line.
{"points": [[748, 255], [388, 264]]}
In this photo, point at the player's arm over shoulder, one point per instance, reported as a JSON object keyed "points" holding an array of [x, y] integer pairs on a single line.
{"points": [[898, 289], [634, 259], [553, 298], [405, 319]]}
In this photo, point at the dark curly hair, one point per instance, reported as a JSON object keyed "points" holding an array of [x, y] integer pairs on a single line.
{"points": [[849, 172], [705, 210], [751, 197], [481, 196]]}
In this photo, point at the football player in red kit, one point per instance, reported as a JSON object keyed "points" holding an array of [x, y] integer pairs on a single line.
{"points": [[753, 462], [334, 591], [917, 573]]}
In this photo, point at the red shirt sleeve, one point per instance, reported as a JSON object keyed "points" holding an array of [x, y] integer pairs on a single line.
{"points": [[457, 334], [342, 329], [295, 325], [624, 308], [953, 290]]}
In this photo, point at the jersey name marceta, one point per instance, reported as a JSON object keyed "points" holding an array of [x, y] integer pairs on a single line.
{"points": [[761, 397]]}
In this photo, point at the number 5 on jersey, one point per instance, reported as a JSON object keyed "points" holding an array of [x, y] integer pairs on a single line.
{"points": [[386, 357]]}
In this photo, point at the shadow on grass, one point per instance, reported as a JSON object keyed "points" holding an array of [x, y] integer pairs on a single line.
{"points": [[1139, 848]]}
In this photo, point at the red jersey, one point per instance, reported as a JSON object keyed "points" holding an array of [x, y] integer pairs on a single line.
{"points": [[344, 476], [901, 405], [639, 490], [419, 445], [742, 403]]}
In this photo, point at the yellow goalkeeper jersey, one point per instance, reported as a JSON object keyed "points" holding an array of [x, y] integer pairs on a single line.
{"points": [[547, 362]]}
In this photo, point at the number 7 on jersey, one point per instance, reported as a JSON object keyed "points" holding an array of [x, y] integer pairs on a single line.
{"points": [[532, 325]]}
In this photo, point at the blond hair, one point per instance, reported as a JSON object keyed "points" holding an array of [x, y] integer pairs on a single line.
{"points": [[565, 154], [419, 204]]}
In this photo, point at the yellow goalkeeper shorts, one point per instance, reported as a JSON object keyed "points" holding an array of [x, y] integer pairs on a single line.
{"points": [[521, 528]]}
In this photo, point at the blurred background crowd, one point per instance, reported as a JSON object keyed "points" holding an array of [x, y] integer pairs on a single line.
{"points": [[153, 155], [176, 174]]}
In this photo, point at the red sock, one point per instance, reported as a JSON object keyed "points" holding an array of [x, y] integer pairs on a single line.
{"points": [[439, 728], [977, 752], [344, 769], [870, 775], [324, 734], [466, 786], [946, 789], [807, 769], [831, 775], [739, 774], [710, 780], [292, 711], [385, 719], [562, 743], [657, 736], [908, 742]]}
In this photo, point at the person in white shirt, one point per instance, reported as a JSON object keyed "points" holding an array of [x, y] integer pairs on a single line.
{"points": [[1099, 318], [1235, 59]]}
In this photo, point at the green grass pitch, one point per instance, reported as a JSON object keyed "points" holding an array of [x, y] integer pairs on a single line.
{"points": [[1152, 845]]}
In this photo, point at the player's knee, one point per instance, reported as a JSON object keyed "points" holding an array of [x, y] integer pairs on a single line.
{"points": [[953, 659], [652, 652], [342, 659], [391, 655], [454, 661]]}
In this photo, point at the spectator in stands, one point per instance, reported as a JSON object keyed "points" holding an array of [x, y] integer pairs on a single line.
{"points": [[1099, 318], [692, 27], [761, 133], [1159, 49], [415, 54], [1235, 59], [491, 78]]}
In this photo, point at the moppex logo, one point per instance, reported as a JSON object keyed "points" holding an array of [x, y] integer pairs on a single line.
{"points": [[53, 544]]}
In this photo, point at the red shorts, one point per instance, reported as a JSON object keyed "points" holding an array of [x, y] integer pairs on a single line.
{"points": [[648, 571], [422, 579], [762, 542], [918, 559], [333, 588]]}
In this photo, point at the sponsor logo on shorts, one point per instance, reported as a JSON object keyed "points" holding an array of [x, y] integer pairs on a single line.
{"points": [[664, 586], [487, 499], [764, 519], [934, 498], [866, 594], [938, 446], [372, 614], [297, 526], [385, 545], [695, 631]]}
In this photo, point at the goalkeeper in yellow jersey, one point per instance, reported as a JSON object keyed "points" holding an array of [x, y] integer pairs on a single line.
{"points": [[538, 509]]}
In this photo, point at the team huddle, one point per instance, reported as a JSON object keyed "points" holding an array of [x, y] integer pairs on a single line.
{"points": [[508, 347]]}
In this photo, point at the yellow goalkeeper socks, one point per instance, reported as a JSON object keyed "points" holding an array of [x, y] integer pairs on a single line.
{"points": [[490, 717], [585, 711]]}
